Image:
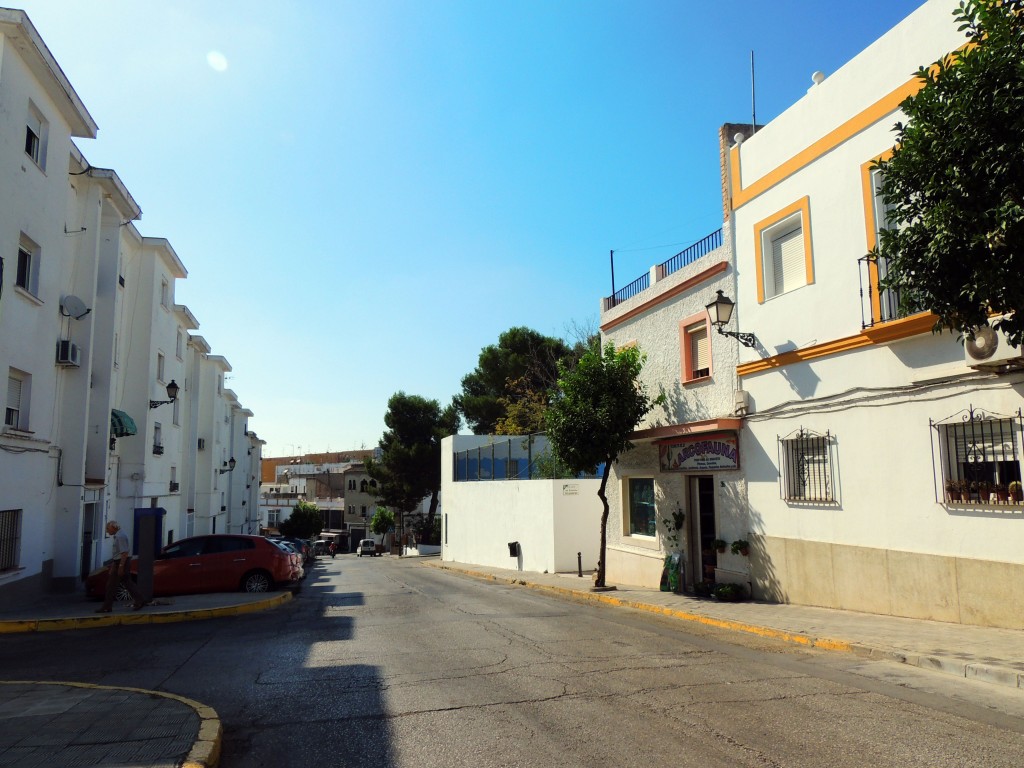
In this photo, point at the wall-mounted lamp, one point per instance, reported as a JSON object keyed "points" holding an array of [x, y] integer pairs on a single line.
{"points": [[172, 394], [720, 313], [230, 464]]}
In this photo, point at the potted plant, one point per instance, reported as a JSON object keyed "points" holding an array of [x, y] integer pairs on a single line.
{"points": [[1001, 492], [984, 491], [1015, 491], [720, 545], [953, 490], [741, 547], [730, 593]]}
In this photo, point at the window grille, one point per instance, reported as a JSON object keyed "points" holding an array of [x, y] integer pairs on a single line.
{"points": [[979, 456], [805, 467], [10, 535]]}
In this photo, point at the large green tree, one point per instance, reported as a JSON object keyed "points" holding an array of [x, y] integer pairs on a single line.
{"points": [[598, 403], [955, 182], [305, 521], [521, 366], [409, 467]]}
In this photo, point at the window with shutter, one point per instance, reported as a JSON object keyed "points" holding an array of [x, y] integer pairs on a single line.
{"points": [[700, 353], [12, 415], [782, 245]]}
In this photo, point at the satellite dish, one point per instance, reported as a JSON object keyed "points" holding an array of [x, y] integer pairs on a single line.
{"points": [[983, 345], [72, 306]]}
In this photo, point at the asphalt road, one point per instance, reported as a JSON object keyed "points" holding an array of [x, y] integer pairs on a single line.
{"points": [[382, 662]]}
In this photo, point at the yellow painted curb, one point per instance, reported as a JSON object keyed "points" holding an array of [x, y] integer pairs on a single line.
{"points": [[796, 638], [111, 620], [205, 752]]}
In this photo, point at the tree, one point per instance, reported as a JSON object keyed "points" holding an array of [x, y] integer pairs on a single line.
{"points": [[305, 521], [409, 467], [955, 181], [523, 361], [597, 405], [383, 521]]}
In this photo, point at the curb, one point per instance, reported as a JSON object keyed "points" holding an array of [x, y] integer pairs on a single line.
{"points": [[205, 752], [987, 673], [110, 620]]}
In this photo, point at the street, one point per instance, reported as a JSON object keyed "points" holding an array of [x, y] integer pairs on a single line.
{"points": [[382, 662]]}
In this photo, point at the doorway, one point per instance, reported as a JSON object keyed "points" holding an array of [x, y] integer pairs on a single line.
{"points": [[90, 525], [703, 558]]}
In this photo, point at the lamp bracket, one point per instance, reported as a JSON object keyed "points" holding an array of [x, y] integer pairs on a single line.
{"points": [[746, 339]]}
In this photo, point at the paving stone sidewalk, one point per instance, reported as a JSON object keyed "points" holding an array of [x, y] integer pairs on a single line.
{"points": [[988, 654]]}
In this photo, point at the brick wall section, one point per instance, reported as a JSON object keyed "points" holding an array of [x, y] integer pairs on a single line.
{"points": [[269, 466]]}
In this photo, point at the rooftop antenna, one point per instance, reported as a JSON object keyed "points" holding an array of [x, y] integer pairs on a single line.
{"points": [[753, 103]]}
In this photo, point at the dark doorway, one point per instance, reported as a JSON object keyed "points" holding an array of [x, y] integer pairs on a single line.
{"points": [[702, 529]]}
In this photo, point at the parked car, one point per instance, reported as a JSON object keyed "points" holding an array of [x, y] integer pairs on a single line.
{"points": [[214, 563], [303, 546], [367, 547], [294, 554]]}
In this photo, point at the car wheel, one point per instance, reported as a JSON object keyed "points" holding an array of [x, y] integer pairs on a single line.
{"points": [[256, 581], [123, 595]]}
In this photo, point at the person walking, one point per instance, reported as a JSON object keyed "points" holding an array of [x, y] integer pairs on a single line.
{"points": [[119, 573]]}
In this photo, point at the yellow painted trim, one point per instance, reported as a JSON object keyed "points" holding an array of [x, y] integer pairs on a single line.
{"points": [[801, 206], [880, 334], [867, 117], [871, 229]]}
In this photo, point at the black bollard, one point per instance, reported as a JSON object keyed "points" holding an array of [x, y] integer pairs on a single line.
{"points": [[579, 564]]}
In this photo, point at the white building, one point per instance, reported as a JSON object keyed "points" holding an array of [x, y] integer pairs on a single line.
{"points": [[92, 339], [859, 416], [685, 460]]}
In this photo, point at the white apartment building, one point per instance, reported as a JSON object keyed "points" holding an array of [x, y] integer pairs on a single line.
{"points": [[858, 416], [91, 341]]}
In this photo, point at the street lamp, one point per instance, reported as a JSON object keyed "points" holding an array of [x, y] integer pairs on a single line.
{"points": [[230, 463], [720, 313], [172, 394]]}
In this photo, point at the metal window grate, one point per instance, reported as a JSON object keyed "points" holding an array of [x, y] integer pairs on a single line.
{"points": [[805, 467], [979, 457], [10, 536]]}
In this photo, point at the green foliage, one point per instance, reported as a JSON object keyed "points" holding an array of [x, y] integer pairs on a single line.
{"points": [[523, 361], [673, 527], [409, 468], [730, 593], [547, 466], [955, 183], [305, 521], [720, 544], [740, 547], [598, 403], [382, 522]]}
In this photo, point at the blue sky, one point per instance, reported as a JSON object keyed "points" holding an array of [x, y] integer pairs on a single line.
{"points": [[366, 193]]}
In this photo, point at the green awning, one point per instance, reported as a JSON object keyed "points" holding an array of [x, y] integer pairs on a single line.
{"points": [[121, 424]]}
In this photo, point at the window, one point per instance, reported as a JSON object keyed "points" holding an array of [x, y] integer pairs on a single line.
{"points": [[695, 347], [783, 250], [159, 367], [27, 276], [362, 511], [165, 292], [178, 345], [642, 513], [363, 486], [176, 412], [19, 388], [273, 517], [805, 466], [10, 538], [36, 134], [980, 456], [888, 299], [158, 440]]}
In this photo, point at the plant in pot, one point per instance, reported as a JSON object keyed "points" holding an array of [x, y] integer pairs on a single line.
{"points": [[984, 491], [741, 547], [720, 545], [1001, 492], [730, 593], [953, 492], [1015, 491]]}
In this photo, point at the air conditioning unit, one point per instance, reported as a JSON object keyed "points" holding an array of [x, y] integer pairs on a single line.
{"points": [[67, 354], [990, 349], [202, 444]]}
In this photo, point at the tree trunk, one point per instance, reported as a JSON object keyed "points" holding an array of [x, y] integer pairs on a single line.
{"points": [[599, 582]]}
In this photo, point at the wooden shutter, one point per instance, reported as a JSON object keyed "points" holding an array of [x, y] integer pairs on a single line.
{"points": [[700, 351], [789, 268]]}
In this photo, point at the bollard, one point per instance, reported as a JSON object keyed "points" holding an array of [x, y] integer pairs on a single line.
{"points": [[579, 564]]}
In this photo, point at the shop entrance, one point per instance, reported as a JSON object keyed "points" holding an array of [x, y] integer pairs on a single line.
{"points": [[703, 559]]}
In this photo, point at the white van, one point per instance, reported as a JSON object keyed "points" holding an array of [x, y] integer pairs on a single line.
{"points": [[367, 547]]}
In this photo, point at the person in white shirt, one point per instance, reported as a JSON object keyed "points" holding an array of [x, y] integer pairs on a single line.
{"points": [[119, 573]]}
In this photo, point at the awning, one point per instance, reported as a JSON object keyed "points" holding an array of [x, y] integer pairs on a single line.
{"points": [[121, 424]]}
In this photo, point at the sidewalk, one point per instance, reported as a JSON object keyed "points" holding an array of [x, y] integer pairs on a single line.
{"points": [[57, 724], [982, 653]]}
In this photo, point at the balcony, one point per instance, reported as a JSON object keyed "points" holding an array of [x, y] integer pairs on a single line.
{"points": [[877, 305], [174, 487], [158, 450], [682, 259]]}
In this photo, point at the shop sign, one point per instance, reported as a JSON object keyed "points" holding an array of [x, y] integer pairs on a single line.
{"points": [[701, 453]]}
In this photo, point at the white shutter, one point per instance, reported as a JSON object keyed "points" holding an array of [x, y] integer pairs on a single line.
{"points": [[700, 353], [12, 416], [789, 269]]}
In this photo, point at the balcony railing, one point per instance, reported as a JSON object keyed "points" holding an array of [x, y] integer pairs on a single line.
{"points": [[684, 258], [877, 305]]}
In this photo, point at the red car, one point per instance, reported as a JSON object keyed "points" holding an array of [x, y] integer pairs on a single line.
{"points": [[216, 563]]}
